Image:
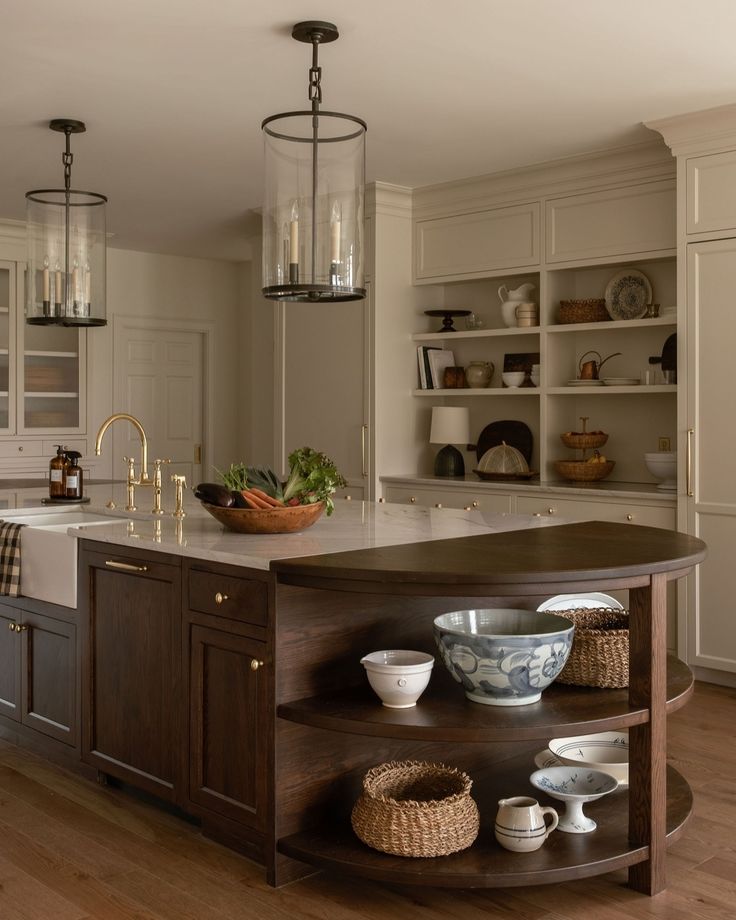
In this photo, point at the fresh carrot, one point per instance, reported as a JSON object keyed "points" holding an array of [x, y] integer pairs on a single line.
{"points": [[273, 502], [253, 501]]}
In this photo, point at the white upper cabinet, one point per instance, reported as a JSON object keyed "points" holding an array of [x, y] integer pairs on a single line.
{"points": [[473, 245], [711, 192], [615, 222]]}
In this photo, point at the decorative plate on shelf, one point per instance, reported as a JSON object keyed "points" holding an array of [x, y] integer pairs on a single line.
{"points": [[621, 381], [627, 295], [584, 383]]}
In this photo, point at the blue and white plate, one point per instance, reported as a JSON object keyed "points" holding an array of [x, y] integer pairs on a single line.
{"points": [[627, 295]]}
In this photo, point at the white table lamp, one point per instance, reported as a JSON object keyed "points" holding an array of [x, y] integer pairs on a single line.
{"points": [[450, 425]]}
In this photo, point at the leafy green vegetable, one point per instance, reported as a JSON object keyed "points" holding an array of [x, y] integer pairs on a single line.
{"points": [[313, 477]]}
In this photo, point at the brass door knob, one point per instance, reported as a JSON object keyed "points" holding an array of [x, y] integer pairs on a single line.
{"points": [[12, 626], [219, 598], [255, 664]]}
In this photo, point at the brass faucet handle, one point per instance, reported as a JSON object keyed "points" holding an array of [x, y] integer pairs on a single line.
{"points": [[180, 482], [131, 468]]}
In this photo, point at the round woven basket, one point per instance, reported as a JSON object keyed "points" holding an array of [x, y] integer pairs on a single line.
{"points": [[584, 440], [600, 648], [411, 808], [592, 310], [582, 471]]}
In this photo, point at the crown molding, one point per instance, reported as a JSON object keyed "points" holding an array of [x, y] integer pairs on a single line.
{"points": [[385, 198], [705, 131], [617, 166]]}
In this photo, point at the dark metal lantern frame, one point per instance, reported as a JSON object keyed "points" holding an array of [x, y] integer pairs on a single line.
{"points": [[69, 308], [343, 280]]}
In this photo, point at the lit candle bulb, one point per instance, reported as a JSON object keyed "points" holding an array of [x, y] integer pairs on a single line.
{"points": [[335, 225], [57, 288], [294, 243], [87, 288], [75, 285]]}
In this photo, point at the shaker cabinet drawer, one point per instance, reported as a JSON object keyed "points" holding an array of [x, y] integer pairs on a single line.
{"points": [[228, 596], [582, 510], [449, 498]]}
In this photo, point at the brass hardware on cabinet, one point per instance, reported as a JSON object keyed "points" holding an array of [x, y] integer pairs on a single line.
{"points": [[629, 517], [125, 566], [475, 504], [551, 510], [438, 505], [219, 598], [111, 505], [363, 433], [12, 626], [21, 448], [412, 499], [537, 514], [689, 463], [348, 498], [198, 454], [255, 664], [21, 627], [467, 508]]}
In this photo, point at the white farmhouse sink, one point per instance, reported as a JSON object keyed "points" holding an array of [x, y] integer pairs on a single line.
{"points": [[48, 570]]}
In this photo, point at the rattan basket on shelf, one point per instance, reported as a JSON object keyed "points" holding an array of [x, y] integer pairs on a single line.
{"points": [[584, 440], [600, 648], [411, 808], [590, 310], [584, 471]]}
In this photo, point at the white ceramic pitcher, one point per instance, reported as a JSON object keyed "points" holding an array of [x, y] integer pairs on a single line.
{"points": [[510, 300], [520, 824]]}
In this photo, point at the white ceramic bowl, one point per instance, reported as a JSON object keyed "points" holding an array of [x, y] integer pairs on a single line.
{"points": [[398, 676], [513, 378], [605, 751], [574, 786], [503, 657], [662, 464]]}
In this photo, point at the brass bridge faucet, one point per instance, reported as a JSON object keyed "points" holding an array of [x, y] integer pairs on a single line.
{"points": [[144, 479]]}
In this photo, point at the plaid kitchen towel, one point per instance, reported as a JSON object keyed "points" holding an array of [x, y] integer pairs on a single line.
{"points": [[10, 558]]}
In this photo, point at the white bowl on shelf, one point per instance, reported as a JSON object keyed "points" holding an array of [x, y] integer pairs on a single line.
{"points": [[604, 751], [662, 464], [398, 676], [513, 378]]}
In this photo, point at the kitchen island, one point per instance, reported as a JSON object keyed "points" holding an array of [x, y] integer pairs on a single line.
{"points": [[222, 674]]}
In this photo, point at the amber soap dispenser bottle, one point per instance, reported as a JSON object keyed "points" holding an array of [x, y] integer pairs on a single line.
{"points": [[57, 473], [74, 485]]}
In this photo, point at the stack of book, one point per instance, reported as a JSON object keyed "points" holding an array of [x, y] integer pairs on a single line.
{"points": [[432, 362]]}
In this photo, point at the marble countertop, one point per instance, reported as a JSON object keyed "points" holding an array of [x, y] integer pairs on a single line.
{"points": [[354, 525]]}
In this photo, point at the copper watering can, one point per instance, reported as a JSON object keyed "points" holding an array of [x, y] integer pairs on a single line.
{"points": [[588, 370]]}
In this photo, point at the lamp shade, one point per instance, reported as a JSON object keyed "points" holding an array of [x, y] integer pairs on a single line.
{"points": [[450, 425]]}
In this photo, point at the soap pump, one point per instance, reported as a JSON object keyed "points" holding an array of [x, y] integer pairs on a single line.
{"points": [[57, 473]]}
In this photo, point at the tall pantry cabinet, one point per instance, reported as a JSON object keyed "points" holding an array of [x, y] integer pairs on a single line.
{"points": [[705, 146]]}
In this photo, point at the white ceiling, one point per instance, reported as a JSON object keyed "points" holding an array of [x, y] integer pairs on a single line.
{"points": [[174, 91]]}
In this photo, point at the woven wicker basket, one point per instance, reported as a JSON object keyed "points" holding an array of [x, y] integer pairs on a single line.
{"points": [[592, 310], [584, 440], [582, 471], [410, 808], [600, 648]]}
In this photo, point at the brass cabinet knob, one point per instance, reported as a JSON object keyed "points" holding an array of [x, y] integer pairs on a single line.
{"points": [[629, 517], [466, 508], [475, 504], [412, 499], [537, 514], [219, 598], [438, 505], [12, 626], [21, 448], [21, 627], [551, 510], [255, 664], [348, 498]]}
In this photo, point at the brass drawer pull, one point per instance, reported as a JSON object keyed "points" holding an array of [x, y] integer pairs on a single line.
{"points": [[255, 664], [689, 463], [629, 517], [125, 566], [219, 598], [21, 627], [551, 510], [12, 626]]}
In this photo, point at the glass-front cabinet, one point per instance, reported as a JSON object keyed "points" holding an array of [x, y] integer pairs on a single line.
{"points": [[42, 368]]}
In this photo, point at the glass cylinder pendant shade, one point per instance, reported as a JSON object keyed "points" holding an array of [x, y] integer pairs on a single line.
{"points": [[66, 238], [314, 207], [66, 264]]}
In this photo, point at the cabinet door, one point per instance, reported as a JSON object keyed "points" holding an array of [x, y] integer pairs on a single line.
{"points": [[132, 667], [711, 192], [49, 677], [7, 353], [711, 506], [227, 724], [10, 689], [470, 245]]}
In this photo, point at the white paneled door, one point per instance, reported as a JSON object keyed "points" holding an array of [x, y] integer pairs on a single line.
{"points": [[159, 379]]}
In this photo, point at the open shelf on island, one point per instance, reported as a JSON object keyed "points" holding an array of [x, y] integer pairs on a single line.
{"points": [[486, 864], [444, 714]]}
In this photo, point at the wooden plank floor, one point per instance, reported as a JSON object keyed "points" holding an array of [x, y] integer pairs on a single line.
{"points": [[72, 850]]}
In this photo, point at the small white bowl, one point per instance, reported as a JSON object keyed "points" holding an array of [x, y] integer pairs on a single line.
{"points": [[398, 676], [604, 751], [662, 464], [513, 378], [574, 786]]}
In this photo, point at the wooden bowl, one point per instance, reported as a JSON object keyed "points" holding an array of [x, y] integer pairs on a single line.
{"points": [[582, 471], [273, 520]]}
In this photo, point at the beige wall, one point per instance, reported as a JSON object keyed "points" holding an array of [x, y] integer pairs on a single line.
{"points": [[176, 288]]}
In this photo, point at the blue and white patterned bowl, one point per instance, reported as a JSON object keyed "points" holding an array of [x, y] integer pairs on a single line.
{"points": [[503, 657]]}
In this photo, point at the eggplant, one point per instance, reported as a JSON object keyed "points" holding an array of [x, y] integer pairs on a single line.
{"points": [[214, 494], [238, 500]]}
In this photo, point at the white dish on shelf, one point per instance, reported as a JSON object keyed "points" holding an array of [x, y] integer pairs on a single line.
{"points": [[621, 381], [627, 294], [584, 383], [545, 759], [591, 599]]}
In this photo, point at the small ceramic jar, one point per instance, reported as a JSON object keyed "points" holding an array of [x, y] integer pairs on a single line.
{"points": [[479, 373], [454, 378]]}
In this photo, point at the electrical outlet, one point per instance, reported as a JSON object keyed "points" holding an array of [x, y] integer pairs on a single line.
{"points": [[663, 444]]}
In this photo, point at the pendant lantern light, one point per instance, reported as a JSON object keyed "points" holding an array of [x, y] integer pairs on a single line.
{"points": [[314, 194], [66, 249]]}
